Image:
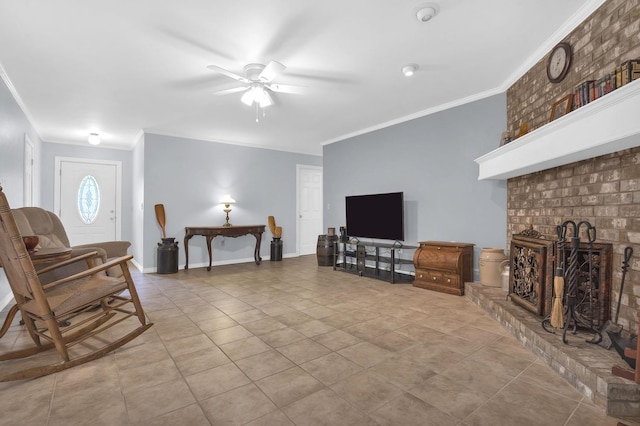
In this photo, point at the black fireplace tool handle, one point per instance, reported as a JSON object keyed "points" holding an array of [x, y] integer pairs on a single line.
{"points": [[628, 252]]}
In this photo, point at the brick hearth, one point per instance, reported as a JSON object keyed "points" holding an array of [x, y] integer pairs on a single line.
{"points": [[585, 366]]}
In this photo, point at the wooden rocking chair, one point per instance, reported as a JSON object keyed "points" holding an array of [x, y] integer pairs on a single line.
{"points": [[45, 307]]}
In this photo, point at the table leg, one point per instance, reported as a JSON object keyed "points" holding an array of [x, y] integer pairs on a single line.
{"points": [[256, 252], [186, 251], [209, 238]]}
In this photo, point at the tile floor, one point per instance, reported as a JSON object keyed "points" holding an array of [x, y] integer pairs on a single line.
{"points": [[292, 343]]}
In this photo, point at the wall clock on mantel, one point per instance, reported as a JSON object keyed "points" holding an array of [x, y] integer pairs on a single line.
{"points": [[559, 62]]}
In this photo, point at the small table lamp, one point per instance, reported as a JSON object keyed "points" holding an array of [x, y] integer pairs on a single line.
{"points": [[227, 201]]}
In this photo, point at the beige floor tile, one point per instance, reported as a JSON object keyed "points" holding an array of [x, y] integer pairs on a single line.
{"points": [[336, 340], [313, 328], [331, 368], [264, 364], [191, 415], [244, 348], [393, 342], [158, 400], [189, 344], [202, 360], [325, 408], [366, 391], [228, 335], [588, 415], [282, 337], [523, 404], [302, 351], [293, 318], [403, 373], [216, 323], [264, 326], [133, 379], [477, 376], [451, 396], [248, 316], [482, 374], [215, 381], [365, 354], [238, 406], [409, 410], [289, 386], [274, 418], [79, 405]]}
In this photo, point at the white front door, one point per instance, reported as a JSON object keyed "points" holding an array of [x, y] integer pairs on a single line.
{"points": [[88, 199], [309, 226]]}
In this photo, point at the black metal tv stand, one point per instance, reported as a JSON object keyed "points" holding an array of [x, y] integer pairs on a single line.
{"points": [[375, 260]]}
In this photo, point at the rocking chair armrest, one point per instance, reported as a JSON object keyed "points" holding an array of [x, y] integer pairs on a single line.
{"points": [[66, 262], [89, 272]]}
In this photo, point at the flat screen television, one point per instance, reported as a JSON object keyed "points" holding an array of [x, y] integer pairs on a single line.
{"points": [[376, 216]]}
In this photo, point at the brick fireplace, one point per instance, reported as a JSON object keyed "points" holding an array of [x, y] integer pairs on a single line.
{"points": [[605, 189]]}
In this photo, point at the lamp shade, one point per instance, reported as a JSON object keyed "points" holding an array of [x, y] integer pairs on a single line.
{"points": [[226, 199]]}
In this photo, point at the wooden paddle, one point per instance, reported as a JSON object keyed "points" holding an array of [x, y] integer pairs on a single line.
{"points": [[161, 218]]}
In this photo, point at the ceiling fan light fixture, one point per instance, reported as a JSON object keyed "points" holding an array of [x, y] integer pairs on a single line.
{"points": [[409, 69], [427, 12]]}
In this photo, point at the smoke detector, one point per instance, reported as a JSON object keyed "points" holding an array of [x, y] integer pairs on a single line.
{"points": [[427, 12]]}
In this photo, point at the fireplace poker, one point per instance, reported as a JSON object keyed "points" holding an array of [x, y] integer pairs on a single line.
{"points": [[611, 330]]}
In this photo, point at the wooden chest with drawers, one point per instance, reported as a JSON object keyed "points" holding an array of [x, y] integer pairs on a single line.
{"points": [[443, 266]]}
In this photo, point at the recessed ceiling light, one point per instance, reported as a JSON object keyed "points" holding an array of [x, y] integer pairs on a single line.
{"points": [[409, 70], [94, 139], [427, 12]]}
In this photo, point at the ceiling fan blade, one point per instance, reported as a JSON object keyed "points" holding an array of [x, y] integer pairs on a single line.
{"points": [[229, 91], [287, 88], [271, 71], [228, 73]]}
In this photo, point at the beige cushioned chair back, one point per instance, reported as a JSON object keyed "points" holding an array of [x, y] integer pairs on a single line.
{"points": [[44, 224]]}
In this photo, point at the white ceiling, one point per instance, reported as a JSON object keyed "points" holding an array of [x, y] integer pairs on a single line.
{"points": [[120, 67]]}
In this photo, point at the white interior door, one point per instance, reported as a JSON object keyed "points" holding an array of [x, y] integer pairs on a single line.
{"points": [[88, 195], [309, 226]]}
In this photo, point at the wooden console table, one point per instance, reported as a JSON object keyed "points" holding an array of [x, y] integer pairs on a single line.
{"points": [[210, 232]]}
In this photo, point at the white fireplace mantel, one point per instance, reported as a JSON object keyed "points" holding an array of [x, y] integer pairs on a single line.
{"points": [[606, 125]]}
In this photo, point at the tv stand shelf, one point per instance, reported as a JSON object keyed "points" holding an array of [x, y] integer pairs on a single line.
{"points": [[375, 260]]}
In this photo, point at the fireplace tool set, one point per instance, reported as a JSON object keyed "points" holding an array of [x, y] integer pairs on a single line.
{"points": [[575, 313]]}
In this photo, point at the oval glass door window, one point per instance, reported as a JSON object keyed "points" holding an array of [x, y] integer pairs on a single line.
{"points": [[88, 199]]}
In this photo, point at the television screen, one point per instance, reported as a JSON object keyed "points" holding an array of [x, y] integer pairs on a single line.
{"points": [[376, 216]]}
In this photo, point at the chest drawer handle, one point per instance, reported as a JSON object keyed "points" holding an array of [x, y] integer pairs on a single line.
{"points": [[434, 278], [448, 280]]}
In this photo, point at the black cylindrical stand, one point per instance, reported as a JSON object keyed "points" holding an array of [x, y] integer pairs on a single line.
{"points": [[276, 250], [167, 256]]}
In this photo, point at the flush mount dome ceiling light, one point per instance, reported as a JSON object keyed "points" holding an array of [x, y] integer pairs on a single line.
{"points": [[409, 69], [94, 139], [426, 12]]}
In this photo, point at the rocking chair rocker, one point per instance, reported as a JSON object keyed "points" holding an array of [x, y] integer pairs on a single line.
{"points": [[45, 307]]}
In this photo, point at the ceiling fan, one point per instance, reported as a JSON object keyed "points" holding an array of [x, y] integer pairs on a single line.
{"points": [[258, 82]]}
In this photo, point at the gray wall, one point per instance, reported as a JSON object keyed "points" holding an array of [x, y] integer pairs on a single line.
{"points": [[13, 127], [190, 176], [430, 159]]}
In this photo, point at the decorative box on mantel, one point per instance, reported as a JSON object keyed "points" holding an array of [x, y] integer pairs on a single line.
{"points": [[607, 125], [443, 267]]}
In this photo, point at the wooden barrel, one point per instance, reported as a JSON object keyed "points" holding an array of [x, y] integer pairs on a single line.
{"points": [[325, 249]]}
